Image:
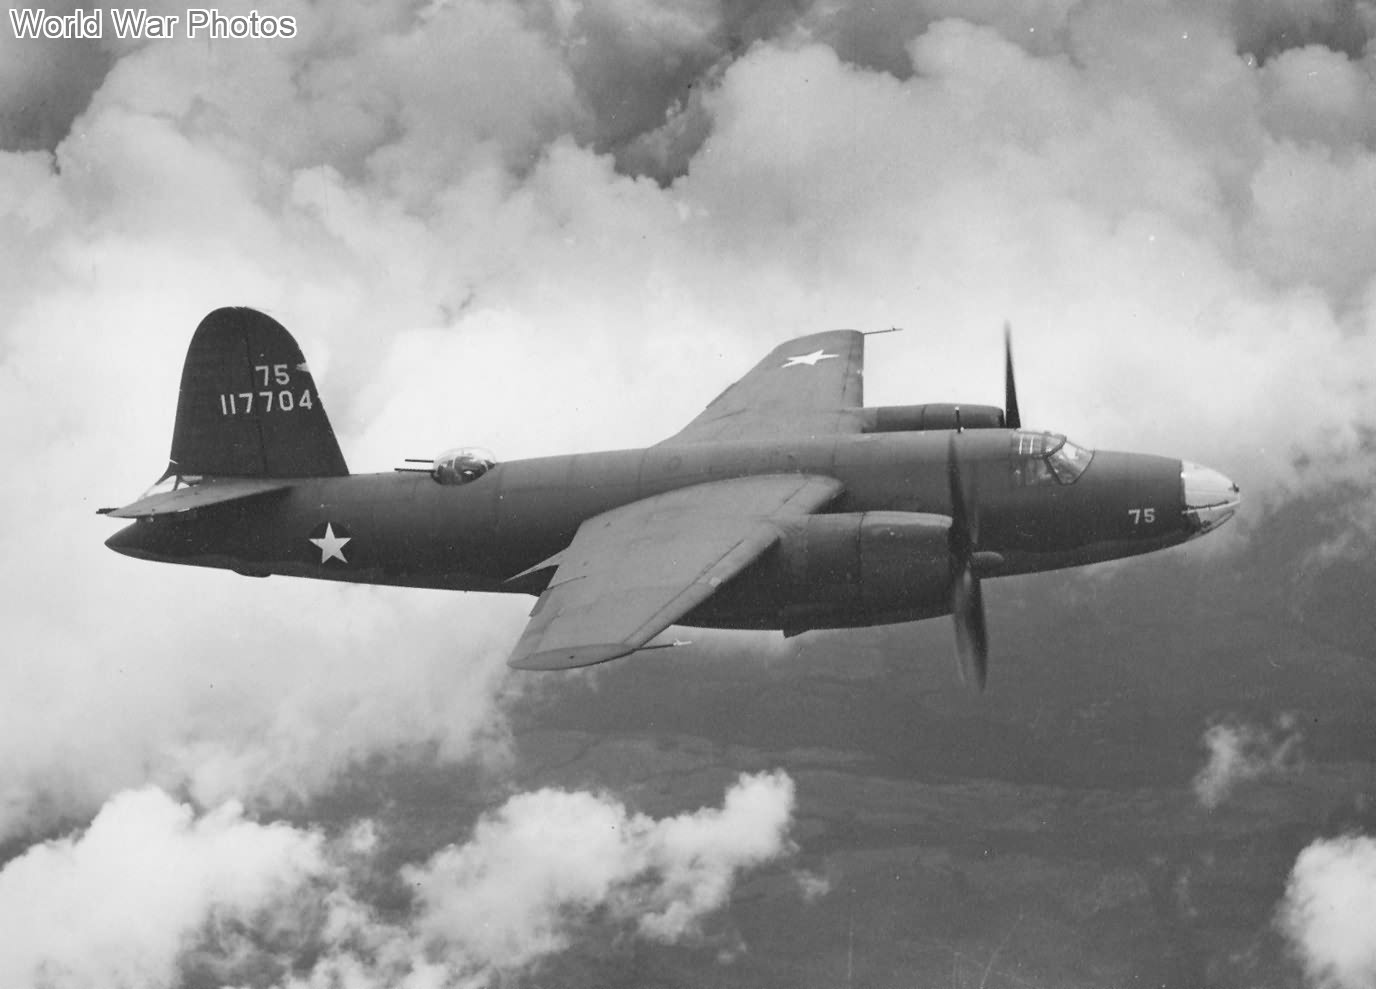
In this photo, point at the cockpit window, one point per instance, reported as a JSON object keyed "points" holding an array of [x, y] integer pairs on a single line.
{"points": [[1048, 458], [462, 466], [172, 482], [1068, 461]]}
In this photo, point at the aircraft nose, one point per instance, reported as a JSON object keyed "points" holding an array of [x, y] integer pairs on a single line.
{"points": [[1210, 498], [128, 541]]}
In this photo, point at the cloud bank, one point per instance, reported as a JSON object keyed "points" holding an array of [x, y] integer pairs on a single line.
{"points": [[270, 705], [152, 894]]}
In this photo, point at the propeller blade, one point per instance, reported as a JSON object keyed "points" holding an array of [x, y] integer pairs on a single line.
{"points": [[972, 634], [1012, 418], [964, 522], [960, 527], [967, 600]]}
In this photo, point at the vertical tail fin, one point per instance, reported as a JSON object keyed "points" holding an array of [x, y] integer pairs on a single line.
{"points": [[248, 405]]}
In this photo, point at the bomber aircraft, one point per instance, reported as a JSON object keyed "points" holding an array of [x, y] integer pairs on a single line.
{"points": [[786, 504]]}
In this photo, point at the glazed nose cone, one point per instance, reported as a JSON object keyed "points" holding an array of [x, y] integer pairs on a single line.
{"points": [[1210, 498]]}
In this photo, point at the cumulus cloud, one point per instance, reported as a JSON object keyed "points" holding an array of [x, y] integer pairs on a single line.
{"points": [[547, 856], [116, 905], [1327, 913], [151, 893], [1239, 752]]}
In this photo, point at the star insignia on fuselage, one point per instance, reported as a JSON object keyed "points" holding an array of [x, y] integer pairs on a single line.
{"points": [[809, 359], [330, 542]]}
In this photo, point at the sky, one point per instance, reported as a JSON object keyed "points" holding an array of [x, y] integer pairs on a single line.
{"points": [[555, 226]]}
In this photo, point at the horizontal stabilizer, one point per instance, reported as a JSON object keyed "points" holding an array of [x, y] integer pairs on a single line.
{"points": [[211, 491]]}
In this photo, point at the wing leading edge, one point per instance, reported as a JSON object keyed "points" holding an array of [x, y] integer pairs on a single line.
{"points": [[632, 572], [810, 386]]}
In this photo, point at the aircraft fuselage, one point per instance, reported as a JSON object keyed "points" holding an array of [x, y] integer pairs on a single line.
{"points": [[404, 528]]}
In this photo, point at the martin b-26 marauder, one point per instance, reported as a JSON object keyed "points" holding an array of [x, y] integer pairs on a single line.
{"points": [[787, 504]]}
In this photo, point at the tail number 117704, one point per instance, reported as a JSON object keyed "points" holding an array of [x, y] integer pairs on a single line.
{"points": [[272, 395]]}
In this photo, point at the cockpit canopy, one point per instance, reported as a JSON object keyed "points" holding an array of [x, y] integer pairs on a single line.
{"points": [[1048, 458], [170, 483], [462, 465]]}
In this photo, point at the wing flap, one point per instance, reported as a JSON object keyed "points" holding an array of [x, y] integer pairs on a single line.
{"points": [[630, 573]]}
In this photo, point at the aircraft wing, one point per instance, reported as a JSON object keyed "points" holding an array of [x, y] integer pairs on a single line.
{"points": [[630, 573], [811, 386]]}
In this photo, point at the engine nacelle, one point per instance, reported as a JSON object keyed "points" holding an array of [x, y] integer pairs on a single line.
{"points": [[918, 418], [839, 571]]}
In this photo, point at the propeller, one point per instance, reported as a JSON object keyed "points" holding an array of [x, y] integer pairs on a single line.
{"points": [[1011, 417], [967, 601]]}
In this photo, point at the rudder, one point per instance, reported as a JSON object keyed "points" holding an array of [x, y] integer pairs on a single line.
{"points": [[248, 406]]}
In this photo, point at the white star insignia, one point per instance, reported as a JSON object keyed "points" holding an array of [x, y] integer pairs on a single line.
{"points": [[331, 546], [809, 359]]}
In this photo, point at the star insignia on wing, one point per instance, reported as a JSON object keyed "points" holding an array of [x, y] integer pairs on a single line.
{"points": [[330, 542], [809, 359]]}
